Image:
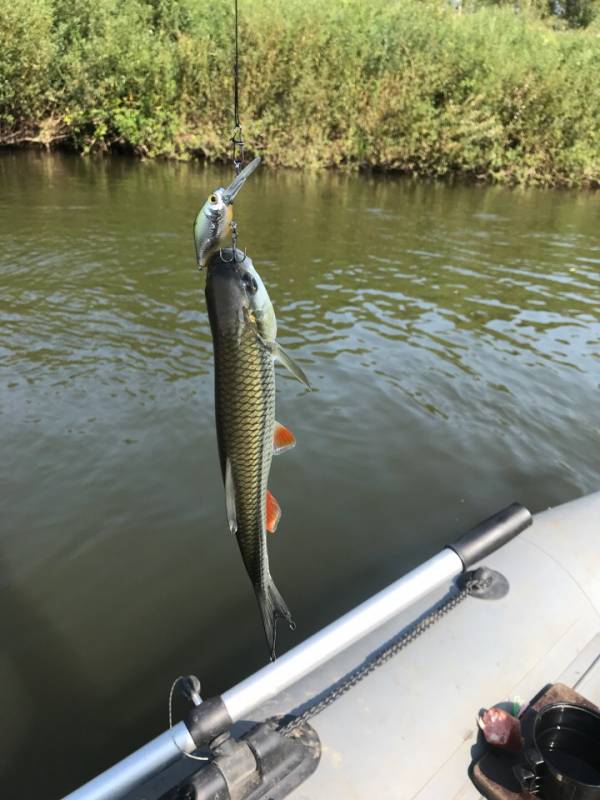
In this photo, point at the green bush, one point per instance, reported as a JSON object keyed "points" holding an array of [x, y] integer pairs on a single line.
{"points": [[26, 52], [117, 75], [406, 85], [581, 13]]}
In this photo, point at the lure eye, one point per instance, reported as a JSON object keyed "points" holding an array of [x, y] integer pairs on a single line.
{"points": [[213, 199], [250, 283]]}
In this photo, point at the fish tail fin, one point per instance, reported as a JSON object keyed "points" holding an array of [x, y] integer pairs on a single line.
{"points": [[272, 608]]}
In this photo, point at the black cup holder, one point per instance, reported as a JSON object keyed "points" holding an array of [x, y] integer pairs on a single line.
{"points": [[562, 759]]}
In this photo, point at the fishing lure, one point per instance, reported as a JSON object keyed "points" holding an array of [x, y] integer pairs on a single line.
{"points": [[215, 218]]}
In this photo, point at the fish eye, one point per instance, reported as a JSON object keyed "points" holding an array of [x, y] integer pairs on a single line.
{"points": [[250, 283], [213, 199]]}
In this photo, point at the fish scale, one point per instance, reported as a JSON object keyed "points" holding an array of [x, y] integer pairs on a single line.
{"points": [[245, 403]]}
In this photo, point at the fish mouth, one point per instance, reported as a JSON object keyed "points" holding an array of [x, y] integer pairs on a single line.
{"points": [[225, 293], [226, 266], [228, 262]]}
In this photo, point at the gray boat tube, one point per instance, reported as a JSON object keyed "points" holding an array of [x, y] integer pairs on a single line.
{"points": [[216, 715]]}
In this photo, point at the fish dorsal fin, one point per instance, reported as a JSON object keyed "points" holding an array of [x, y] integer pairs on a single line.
{"points": [[273, 513], [283, 439], [230, 498], [289, 363]]}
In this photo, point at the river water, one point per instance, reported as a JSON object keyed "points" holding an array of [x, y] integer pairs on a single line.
{"points": [[452, 335]]}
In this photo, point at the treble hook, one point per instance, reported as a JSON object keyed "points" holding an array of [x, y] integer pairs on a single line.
{"points": [[234, 249], [234, 256]]}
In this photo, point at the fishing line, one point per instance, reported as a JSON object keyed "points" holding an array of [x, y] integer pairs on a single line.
{"points": [[237, 139], [236, 72], [183, 752]]}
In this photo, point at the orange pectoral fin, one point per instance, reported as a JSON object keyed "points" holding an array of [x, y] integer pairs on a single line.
{"points": [[273, 513], [283, 439]]}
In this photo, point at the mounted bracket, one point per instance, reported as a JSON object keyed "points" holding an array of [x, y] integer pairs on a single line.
{"points": [[264, 763], [486, 584]]}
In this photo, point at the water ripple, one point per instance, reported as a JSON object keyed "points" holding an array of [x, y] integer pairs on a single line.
{"points": [[452, 336]]}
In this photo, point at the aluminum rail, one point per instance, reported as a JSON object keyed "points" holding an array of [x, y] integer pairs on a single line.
{"points": [[138, 767], [345, 631]]}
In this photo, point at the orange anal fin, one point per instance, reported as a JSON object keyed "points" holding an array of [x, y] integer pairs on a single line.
{"points": [[283, 439], [273, 513]]}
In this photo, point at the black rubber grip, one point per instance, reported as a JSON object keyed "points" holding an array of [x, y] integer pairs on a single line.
{"points": [[208, 720], [491, 534]]}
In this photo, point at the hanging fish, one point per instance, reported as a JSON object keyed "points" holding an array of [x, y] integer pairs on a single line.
{"points": [[244, 332], [213, 222]]}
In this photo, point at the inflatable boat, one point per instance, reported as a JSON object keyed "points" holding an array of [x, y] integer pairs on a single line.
{"points": [[384, 701]]}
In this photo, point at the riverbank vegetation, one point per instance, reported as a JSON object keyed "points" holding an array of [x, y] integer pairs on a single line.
{"points": [[416, 86]]}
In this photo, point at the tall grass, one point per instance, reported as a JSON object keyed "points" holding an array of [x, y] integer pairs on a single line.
{"points": [[407, 85]]}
